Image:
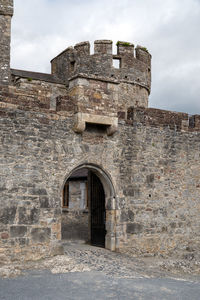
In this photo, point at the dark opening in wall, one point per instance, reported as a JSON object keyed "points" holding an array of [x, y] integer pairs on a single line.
{"points": [[72, 66], [191, 121], [96, 128], [117, 63], [84, 218], [75, 218]]}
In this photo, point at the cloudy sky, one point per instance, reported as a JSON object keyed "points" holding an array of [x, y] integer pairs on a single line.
{"points": [[170, 29]]}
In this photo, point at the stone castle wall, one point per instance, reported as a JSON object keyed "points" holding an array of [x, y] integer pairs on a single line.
{"points": [[89, 113], [38, 150], [154, 169], [160, 183]]}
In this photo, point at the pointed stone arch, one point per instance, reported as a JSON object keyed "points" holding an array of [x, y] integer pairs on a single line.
{"points": [[110, 200]]}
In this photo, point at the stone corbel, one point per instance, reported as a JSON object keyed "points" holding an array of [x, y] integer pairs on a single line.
{"points": [[80, 125], [82, 118]]}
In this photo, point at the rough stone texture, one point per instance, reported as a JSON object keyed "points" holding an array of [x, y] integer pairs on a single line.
{"points": [[6, 11], [155, 172], [101, 81], [161, 186], [30, 93], [18, 231], [133, 68], [149, 168]]}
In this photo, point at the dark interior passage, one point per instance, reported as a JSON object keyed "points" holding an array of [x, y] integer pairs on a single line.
{"points": [[83, 207]]}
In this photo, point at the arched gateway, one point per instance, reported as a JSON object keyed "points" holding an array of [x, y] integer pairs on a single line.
{"points": [[88, 205]]}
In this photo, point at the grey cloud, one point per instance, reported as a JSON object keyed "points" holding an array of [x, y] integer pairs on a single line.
{"points": [[169, 29]]}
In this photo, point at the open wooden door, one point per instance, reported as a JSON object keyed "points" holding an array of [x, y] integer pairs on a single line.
{"points": [[97, 211]]}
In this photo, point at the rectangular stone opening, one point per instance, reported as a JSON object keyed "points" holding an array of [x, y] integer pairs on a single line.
{"points": [[97, 128], [117, 63], [72, 66]]}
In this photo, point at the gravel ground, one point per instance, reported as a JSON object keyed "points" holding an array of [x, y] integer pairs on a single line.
{"points": [[85, 258], [85, 272]]}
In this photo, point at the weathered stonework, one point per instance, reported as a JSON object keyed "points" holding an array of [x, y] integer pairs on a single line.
{"points": [[6, 12], [147, 159]]}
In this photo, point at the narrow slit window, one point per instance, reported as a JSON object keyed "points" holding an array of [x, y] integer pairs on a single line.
{"points": [[72, 66]]}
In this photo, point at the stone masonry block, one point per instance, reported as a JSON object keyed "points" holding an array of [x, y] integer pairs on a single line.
{"points": [[18, 231], [134, 228], [28, 216], [40, 235], [7, 215]]}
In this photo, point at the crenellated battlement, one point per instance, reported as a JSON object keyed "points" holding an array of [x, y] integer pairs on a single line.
{"points": [[134, 65], [153, 117]]}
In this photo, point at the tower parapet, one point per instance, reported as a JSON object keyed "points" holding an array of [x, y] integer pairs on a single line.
{"points": [[6, 12], [133, 66], [101, 90]]}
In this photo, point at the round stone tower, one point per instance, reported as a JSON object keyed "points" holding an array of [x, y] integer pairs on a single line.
{"points": [[103, 83], [134, 67]]}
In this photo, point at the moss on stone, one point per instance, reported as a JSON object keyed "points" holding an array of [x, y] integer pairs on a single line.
{"points": [[144, 49], [125, 44]]}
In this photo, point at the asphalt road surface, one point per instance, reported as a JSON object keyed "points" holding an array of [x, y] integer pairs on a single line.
{"points": [[42, 285]]}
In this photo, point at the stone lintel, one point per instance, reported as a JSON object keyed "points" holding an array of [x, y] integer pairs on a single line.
{"points": [[82, 118]]}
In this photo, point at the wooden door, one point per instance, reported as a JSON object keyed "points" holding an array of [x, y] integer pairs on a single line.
{"points": [[98, 213]]}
